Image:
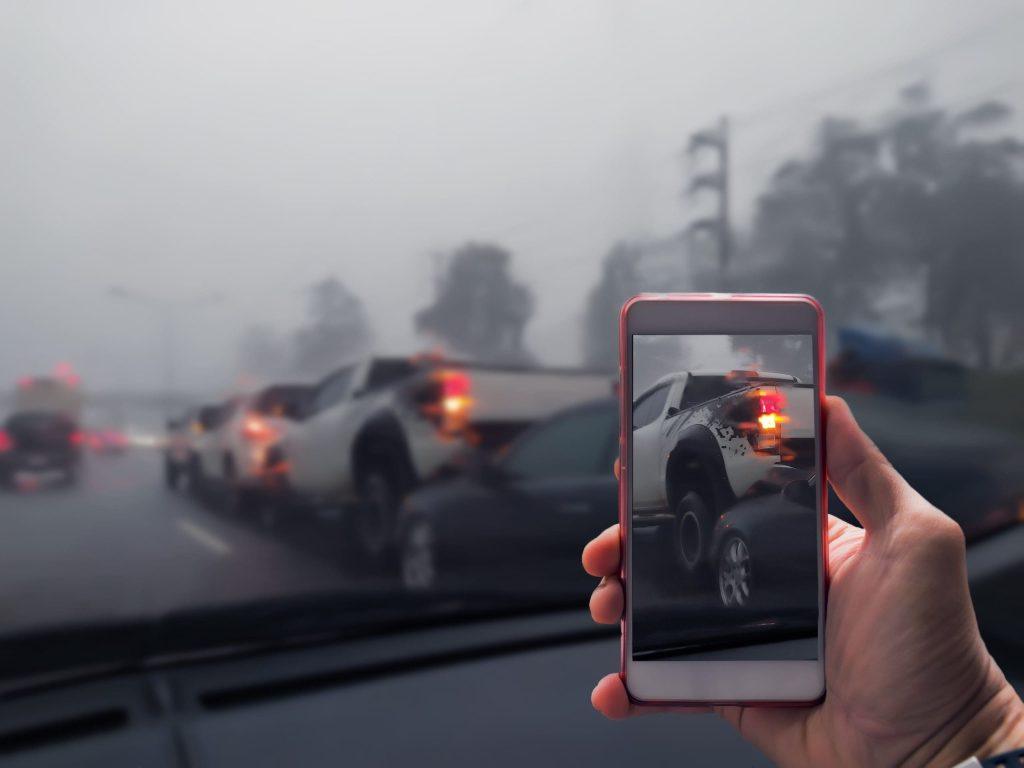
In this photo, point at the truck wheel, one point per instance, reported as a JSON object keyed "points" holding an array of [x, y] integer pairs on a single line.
{"points": [[692, 531], [377, 512], [418, 557], [171, 475], [242, 502], [70, 479], [196, 484], [735, 575], [238, 500]]}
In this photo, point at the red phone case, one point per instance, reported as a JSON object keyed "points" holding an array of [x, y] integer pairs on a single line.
{"points": [[625, 414]]}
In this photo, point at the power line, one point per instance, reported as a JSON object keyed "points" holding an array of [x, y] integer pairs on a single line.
{"points": [[885, 70]]}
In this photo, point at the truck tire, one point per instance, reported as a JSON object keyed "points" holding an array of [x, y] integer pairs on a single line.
{"points": [[238, 500], [196, 481], [692, 524], [171, 474], [377, 513], [70, 478], [418, 560]]}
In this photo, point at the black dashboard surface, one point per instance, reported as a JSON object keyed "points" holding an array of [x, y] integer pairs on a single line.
{"points": [[527, 707]]}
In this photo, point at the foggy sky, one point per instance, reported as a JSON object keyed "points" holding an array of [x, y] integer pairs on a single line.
{"points": [[250, 148]]}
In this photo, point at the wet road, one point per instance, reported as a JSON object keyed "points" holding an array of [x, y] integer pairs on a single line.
{"points": [[122, 545]]}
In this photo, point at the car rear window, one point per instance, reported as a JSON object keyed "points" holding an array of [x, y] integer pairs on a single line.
{"points": [[36, 421], [282, 400], [700, 389], [383, 373]]}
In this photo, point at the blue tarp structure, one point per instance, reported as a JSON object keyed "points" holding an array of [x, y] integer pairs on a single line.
{"points": [[874, 347]]}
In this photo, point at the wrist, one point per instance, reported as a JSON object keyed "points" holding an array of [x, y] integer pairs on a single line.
{"points": [[997, 727]]}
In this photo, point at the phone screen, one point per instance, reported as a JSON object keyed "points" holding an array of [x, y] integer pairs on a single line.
{"points": [[724, 497]]}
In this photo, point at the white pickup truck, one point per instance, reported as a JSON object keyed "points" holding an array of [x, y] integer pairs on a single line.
{"points": [[376, 429], [701, 440]]}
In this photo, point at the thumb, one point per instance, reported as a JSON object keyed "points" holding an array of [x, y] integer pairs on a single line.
{"points": [[861, 476]]}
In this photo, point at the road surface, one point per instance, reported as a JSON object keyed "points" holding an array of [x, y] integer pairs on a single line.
{"points": [[121, 545]]}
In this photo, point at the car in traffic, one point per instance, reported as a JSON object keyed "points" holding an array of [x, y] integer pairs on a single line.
{"points": [[527, 512], [702, 440], [40, 444], [187, 438], [236, 451], [764, 553], [379, 428], [177, 446]]}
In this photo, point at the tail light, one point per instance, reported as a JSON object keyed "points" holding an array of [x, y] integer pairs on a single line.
{"points": [[6, 443], [767, 437], [256, 430], [455, 392], [77, 437], [448, 401]]}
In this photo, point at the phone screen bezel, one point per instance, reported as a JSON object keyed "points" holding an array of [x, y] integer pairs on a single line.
{"points": [[706, 681]]}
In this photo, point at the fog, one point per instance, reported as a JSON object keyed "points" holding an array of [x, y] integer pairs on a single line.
{"points": [[244, 150]]}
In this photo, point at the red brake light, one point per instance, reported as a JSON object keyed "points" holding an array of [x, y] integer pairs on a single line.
{"points": [[767, 436], [447, 402], [257, 430], [770, 401], [455, 386], [77, 437], [5, 441], [455, 383]]}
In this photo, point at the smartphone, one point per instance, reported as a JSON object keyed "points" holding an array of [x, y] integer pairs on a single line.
{"points": [[722, 499]]}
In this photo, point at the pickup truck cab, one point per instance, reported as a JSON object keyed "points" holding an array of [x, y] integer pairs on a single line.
{"points": [[702, 440], [376, 429]]}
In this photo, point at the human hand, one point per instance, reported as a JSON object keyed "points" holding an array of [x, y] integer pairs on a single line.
{"points": [[908, 679]]}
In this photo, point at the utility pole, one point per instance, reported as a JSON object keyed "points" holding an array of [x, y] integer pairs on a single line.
{"points": [[715, 140]]}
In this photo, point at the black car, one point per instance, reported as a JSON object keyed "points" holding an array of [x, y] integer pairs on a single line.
{"points": [[517, 524], [763, 551], [39, 442]]}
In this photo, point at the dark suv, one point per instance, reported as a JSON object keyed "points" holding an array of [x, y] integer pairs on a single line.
{"points": [[39, 442]]}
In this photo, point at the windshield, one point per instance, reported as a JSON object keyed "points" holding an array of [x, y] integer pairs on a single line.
{"points": [[316, 212]]}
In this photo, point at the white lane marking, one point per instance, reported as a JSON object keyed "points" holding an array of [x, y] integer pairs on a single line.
{"points": [[202, 536]]}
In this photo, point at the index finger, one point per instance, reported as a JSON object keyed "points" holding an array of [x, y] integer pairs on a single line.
{"points": [[603, 554]]}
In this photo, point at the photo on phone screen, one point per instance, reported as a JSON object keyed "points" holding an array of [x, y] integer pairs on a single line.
{"points": [[725, 540]]}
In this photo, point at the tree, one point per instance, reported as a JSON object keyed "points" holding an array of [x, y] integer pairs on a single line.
{"points": [[954, 207], [478, 309], [919, 200], [619, 280], [336, 330], [810, 235]]}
